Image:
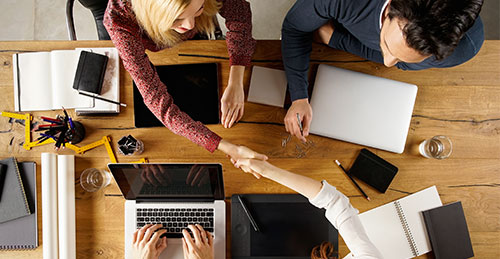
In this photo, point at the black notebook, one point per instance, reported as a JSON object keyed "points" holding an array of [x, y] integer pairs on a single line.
{"points": [[22, 233], [373, 170], [448, 231], [289, 227], [194, 89], [14, 203]]}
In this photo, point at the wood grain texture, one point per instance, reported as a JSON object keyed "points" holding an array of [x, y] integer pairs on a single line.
{"points": [[460, 102]]}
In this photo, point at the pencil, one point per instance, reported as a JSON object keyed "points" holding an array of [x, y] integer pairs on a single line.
{"points": [[350, 177], [252, 221], [103, 99], [300, 124]]}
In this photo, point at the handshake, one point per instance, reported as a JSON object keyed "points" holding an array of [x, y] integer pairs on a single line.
{"points": [[246, 159]]}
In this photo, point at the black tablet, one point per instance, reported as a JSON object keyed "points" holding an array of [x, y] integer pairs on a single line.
{"points": [[194, 89], [289, 227]]}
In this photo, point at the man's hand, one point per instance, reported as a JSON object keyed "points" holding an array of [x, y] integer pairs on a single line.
{"points": [[324, 33], [147, 244], [303, 108]]}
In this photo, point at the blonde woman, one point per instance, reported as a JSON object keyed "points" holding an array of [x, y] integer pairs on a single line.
{"points": [[137, 25]]}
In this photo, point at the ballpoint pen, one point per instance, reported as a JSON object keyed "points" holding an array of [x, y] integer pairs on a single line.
{"points": [[252, 221], [350, 177]]}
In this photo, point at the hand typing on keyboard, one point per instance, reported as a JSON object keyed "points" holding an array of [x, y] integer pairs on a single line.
{"points": [[199, 247], [146, 242]]}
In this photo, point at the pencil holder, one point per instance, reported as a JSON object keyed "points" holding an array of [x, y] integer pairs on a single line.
{"points": [[76, 134], [128, 146]]}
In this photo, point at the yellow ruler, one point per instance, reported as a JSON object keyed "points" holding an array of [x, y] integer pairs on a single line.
{"points": [[104, 141], [79, 150], [27, 126]]}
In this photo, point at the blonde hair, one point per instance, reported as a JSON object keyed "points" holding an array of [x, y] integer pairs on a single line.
{"points": [[323, 251], [156, 17]]}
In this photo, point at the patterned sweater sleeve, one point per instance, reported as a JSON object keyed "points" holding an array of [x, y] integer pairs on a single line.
{"points": [[240, 43], [127, 37]]}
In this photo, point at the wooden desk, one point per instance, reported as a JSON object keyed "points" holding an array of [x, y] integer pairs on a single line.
{"points": [[461, 102]]}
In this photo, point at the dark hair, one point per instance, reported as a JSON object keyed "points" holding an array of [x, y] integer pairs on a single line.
{"points": [[323, 251], [435, 27]]}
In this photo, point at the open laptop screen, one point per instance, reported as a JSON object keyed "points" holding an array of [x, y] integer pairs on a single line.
{"points": [[169, 181]]}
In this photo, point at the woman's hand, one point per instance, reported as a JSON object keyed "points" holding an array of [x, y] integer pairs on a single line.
{"points": [[232, 104], [147, 244], [239, 152], [256, 167], [233, 99], [202, 247]]}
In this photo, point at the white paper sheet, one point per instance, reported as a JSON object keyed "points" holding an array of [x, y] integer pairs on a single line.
{"points": [[49, 206], [66, 206], [63, 69], [267, 86], [33, 93]]}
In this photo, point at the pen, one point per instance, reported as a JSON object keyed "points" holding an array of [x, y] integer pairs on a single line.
{"points": [[252, 221], [52, 121], [300, 124], [103, 99], [350, 177]]}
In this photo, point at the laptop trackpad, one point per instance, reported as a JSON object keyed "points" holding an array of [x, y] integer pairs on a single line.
{"points": [[174, 250]]}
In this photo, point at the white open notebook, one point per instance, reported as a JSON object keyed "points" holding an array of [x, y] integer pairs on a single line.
{"points": [[397, 229], [44, 81]]}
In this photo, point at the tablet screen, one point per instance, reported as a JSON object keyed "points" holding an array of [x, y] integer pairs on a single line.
{"points": [[291, 230], [194, 89], [290, 227]]}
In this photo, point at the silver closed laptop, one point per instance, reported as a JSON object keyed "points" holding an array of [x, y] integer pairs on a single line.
{"points": [[174, 195], [361, 108]]}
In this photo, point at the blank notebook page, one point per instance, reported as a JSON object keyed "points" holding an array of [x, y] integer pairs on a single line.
{"points": [[385, 229]]}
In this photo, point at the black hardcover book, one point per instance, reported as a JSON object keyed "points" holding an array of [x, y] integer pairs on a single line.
{"points": [[373, 170], [90, 72], [448, 232]]}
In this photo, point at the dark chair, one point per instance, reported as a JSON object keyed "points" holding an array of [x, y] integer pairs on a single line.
{"points": [[97, 7]]}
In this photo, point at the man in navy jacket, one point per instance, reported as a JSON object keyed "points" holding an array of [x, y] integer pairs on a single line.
{"points": [[408, 34]]}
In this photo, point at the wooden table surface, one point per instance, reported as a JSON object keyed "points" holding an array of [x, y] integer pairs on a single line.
{"points": [[462, 103]]}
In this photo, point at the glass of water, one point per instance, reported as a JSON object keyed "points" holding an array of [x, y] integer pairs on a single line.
{"points": [[93, 179], [438, 147]]}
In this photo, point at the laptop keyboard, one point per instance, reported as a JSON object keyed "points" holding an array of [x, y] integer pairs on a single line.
{"points": [[175, 220]]}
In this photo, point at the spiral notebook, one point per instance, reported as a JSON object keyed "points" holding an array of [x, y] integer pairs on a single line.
{"points": [[398, 229], [14, 203], [22, 233]]}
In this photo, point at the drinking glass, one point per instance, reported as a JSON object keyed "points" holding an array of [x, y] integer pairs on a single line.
{"points": [[93, 179], [438, 147]]}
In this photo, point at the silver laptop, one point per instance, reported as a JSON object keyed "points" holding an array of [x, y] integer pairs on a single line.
{"points": [[174, 195], [361, 108]]}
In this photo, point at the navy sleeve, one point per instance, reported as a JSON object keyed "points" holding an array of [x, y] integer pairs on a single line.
{"points": [[343, 40], [296, 41]]}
